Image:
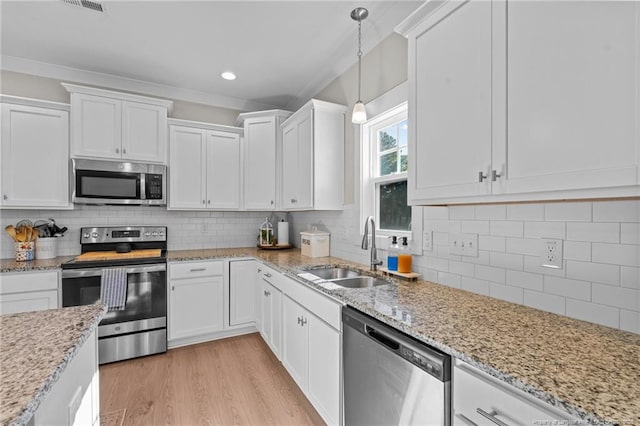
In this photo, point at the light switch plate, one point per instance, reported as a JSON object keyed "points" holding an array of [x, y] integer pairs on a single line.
{"points": [[551, 253], [464, 244], [427, 241]]}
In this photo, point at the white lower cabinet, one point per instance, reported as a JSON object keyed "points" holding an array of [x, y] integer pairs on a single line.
{"points": [[479, 399], [28, 291], [242, 278], [74, 398], [271, 311], [196, 292]]}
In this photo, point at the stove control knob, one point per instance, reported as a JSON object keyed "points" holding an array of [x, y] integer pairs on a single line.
{"points": [[94, 235], [161, 234], [154, 233], [86, 235], [146, 234]]}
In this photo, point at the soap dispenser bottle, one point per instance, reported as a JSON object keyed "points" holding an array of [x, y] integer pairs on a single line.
{"points": [[404, 257], [392, 254]]}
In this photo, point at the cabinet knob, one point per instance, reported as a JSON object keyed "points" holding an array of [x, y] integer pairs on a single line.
{"points": [[173, 288], [124, 151], [264, 292], [495, 175], [117, 150], [204, 202], [208, 201], [268, 275], [5, 197], [259, 270], [294, 200], [271, 202], [481, 176]]}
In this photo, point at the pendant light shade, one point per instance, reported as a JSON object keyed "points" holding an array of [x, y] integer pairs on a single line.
{"points": [[359, 112]]}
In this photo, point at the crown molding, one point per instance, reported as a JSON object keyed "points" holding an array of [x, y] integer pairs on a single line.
{"points": [[43, 69]]}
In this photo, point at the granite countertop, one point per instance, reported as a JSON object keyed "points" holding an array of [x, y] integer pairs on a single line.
{"points": [[35, 349], [590, 371]]}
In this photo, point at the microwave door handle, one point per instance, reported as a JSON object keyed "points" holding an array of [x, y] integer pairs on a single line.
{"points": [[143, 186], [97, 272]]}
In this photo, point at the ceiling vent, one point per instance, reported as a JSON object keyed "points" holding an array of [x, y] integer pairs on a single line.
{"points": [[87, 4]]}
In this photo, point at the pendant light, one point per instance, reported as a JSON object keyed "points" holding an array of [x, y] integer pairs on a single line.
{"points": [[359, 113]]}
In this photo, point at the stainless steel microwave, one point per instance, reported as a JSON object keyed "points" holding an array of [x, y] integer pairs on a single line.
{"points": [[116, 182]]}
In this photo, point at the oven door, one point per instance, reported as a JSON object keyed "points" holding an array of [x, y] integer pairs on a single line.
{"points": [[146, 303]]}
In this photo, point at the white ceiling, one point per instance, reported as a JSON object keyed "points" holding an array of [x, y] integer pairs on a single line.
{"points": [[282, 52]]}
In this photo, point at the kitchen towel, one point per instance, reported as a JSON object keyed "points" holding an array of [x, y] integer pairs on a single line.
{"points": [[283, 233], [113, 288]]}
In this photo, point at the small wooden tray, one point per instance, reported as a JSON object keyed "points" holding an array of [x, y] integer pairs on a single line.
{"points": [[411, 276], [288, 246]]}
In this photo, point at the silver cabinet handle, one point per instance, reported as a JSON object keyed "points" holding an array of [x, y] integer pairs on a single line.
{"points": [[117, 150], [491, 416], [208, 201], [124, 151], [173, 288], [304, 321], [268, 275], [294, 200], [299, 320], [197, 269], [259, 270], [204, 202], [466, 419], [481, 176], [271, 202], [5, 197], [495, 175], [264, 292], [268, 293]]}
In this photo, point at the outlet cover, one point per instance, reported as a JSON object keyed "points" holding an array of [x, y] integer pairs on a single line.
{"points": [[551, 253], [464, 244], [427, 241]]}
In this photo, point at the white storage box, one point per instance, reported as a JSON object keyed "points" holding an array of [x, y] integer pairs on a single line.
{"points": [[314, 243]]}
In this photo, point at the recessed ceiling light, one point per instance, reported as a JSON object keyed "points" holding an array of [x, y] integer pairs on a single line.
{"points": [[228, 75]]}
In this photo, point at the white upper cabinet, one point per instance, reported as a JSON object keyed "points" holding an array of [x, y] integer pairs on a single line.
{"points": [[34, 154], [119, 126], [205, 166], [261, 158], [313, 157], [523, 100]]}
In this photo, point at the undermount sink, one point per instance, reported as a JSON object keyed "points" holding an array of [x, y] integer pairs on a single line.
{"points": [[360, 282], [334, 273]]}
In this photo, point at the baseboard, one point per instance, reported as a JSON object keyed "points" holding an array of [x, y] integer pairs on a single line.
{"points": [[201, 338]]}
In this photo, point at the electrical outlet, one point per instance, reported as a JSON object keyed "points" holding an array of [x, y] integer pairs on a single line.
{"points": [[464, 244], [551, 253], [427, 241], [203, 227]]}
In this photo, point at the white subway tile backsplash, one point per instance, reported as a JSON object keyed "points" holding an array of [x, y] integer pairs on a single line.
{"points": [[616, 254], [506, 260], [450, 280], [529, 246], [525, 280], [475, 286], [482, 259], [545, 302], [486, 242], [461, 268], [525, 212], [491, 212], [507, 292], [441, 238], [630, 321], [475, 227], [616, 211], [619, 297], [596, 232], [577, 250], [532, 264], [599, 314], [630, 233], [437, 263], [594, 272], [567, 287], [462, 212], [630, 277], [507, 228], [436, 212], [490, 273], [545, 230], [568, 212]]}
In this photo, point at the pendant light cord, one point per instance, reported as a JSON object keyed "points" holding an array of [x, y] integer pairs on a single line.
{"points": [[359, 60]]}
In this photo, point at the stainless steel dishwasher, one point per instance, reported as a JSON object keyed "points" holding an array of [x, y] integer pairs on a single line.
{"points": [[391, 378]]}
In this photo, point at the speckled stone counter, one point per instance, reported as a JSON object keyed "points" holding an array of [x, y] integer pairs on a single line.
{"points": [[590, 371], [10, 265], [35, 348]]}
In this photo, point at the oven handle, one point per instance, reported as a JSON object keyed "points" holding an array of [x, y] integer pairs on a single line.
{"points": [[97, 272]]}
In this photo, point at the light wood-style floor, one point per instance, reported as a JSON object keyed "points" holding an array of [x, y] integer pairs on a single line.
{"points": [[234, 381]]}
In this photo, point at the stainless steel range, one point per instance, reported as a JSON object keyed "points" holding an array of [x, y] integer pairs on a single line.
{"points": [[137, 327]]}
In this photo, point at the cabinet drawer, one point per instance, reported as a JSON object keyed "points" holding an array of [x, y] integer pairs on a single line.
{"points": [[195, 269], [270, 275], [21, 282], [474, 391], [326, 309]]}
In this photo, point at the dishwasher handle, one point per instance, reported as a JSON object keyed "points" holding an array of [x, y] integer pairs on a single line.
{"points": [[385, 340]]}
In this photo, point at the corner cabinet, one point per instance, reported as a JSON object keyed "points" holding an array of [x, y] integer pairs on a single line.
{"points": [[313, 157], [205, 166], [34, 154], [242, 283], [117, 126], [261, 160], [512, 101]]}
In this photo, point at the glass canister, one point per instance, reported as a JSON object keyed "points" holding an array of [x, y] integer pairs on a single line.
{"points": [[266, 234]]}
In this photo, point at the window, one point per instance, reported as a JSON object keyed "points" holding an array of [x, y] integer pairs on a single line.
{"points": [[384, 187]]}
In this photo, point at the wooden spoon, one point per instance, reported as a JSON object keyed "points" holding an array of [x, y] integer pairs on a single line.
{"points": [[21, 234], [11, 231]]}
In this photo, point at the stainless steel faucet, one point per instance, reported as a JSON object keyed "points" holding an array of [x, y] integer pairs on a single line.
{"points": [[365, 242]]}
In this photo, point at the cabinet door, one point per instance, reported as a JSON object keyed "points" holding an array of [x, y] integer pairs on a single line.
{"points": [[26, 302], [187, 166], [35, 157], [271, 317], [266, 329], [324, 369], [144, 132], [573, 86], [96, 124], [297, 164], [223, 170], [450, 103], [195, 306], [242, 288], [295, 343], [260, 164]]}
